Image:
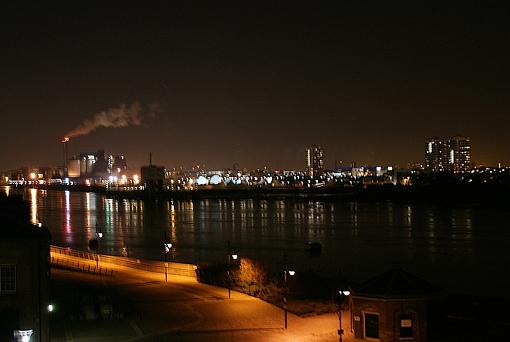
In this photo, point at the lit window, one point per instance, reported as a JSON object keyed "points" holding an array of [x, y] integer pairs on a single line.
{"points": [[7, 278], [406, 326]]}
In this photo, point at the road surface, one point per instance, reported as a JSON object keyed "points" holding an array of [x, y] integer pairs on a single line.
{"points": [[146, 308]]}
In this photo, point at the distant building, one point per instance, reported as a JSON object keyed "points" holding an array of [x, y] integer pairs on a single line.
{"points": [[73, 168], [101, 164], [117, 163], [82, 165], [24, 272], [459, 154], [153, 176], [436, 155], [88, 164], [452, 155], [314, 161]]}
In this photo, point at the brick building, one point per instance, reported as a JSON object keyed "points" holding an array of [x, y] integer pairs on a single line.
{"points": [[394, 306], [24, 272]]}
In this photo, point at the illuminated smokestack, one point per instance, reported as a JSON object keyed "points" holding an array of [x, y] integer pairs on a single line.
{"points": [[65, 141]]}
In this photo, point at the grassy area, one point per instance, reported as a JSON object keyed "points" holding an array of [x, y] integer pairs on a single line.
{"points": [[307, 293]]}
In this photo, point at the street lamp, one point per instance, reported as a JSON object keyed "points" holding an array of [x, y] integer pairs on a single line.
{"points": [[99, 236], [230, 256], [166, 247], [342, 296], [290, 272]]}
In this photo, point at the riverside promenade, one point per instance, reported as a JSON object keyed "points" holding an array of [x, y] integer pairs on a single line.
{"points": [[127, 302]]}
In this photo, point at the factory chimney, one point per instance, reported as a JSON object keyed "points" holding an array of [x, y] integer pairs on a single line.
{"points": [[65, 141]]}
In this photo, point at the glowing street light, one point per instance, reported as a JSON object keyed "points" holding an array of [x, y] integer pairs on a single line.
{"points": [[286, 272], [230, 256], [167, 246], [99, 236], [342, 296], [51, 308]]}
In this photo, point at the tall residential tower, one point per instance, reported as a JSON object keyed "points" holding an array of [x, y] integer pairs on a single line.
{"points": [[452, 155], [436, 155], [459, 154], [314, 161]]}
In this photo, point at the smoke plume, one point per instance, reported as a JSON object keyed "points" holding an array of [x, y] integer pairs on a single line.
{"points": [[122, 116]]}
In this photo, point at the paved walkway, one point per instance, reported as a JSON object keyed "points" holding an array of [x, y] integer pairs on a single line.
{"points": [[180, 310]]}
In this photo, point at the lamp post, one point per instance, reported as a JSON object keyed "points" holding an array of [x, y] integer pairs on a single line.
{"points": [[230, 256], [343, 295], [167, 246], [99, 236], [286, 272]]}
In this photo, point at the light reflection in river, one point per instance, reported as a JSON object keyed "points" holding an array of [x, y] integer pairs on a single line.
{"points": [[88, 210], [33, 206], [362, 238], [67, 212]]}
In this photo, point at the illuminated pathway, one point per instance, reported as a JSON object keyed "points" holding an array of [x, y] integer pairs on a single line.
{"points": [[182, 310]]}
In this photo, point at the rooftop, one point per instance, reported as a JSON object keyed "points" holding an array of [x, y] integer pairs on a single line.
{"points": [[396, 283]]}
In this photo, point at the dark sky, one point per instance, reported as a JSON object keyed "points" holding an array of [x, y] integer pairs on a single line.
{"points": [[255, 85]]}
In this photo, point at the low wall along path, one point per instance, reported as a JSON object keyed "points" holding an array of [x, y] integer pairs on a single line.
{"points": [[173, 268]]}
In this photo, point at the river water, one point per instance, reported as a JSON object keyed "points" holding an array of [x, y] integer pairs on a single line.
{"points": [[464, 250]]}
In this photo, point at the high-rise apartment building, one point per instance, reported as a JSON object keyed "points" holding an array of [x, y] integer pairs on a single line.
{"points": [[459, 154], [314, 160], [448, 155], [436, 155]]}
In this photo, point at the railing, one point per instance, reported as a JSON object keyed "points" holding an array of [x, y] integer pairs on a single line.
{"points": [[79, 266], [173, 268]]}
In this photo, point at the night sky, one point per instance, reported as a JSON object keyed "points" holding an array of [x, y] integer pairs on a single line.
{"points": [[255, 85]]}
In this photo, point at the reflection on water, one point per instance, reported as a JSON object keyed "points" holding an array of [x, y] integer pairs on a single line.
{"points": [[67, 224], [361, 238], [33, 206]]}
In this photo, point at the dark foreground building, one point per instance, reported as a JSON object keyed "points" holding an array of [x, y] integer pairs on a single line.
{"points": [[395, 306], [24, 272]]}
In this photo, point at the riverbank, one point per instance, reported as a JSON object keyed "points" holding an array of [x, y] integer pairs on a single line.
{"points": [[443, 194]]}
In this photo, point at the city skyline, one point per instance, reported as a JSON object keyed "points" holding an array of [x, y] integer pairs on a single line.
{"points": [[314, 160], [254, 86]]}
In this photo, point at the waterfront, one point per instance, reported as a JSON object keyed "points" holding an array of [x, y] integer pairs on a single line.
{"points": [[463, 249]]}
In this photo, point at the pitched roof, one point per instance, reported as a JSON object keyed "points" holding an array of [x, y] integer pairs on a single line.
{"points": [[396, 283]]}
